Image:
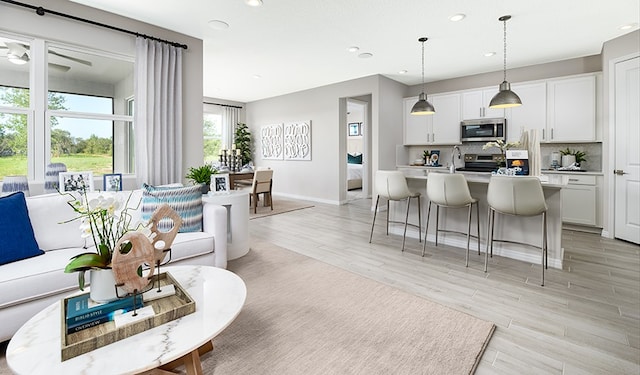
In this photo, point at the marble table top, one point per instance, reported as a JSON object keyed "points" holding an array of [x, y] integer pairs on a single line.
{"points": [[219, 296]]}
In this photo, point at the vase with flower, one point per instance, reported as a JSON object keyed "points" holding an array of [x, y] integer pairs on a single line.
{"points": [[503, 147], [104, 219]]}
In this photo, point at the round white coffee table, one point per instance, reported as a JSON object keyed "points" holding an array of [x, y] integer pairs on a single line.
{"points": [[219, 296]]}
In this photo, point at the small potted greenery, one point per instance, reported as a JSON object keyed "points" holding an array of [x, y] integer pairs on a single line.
{"points": [[201, 175], [580, 156]]}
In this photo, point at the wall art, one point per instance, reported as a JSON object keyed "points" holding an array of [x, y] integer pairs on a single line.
{"points": [[271, 141], [297, 140]]}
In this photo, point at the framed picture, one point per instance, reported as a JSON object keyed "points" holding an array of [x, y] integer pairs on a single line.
{"points": [[76, 181], [219, 183], [355, 129], [112, 182]]}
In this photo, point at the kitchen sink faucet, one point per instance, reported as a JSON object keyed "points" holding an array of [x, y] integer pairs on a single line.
{"points": [[452, 168]]}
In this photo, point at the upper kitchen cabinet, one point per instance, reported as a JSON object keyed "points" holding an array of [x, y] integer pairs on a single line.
{"points": [[475, 104], [532, 114], [571, 109], [441, 128]]}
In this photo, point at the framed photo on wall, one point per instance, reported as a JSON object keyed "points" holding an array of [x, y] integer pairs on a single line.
{"points": [[219, 184], [112, 182], [76, 181], [355, 129]]}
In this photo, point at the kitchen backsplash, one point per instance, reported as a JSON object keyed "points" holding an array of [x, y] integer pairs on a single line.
{"points": [[593, 151]]}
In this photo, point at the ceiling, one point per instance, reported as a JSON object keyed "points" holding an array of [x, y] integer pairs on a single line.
{"points": [[294, 45]]}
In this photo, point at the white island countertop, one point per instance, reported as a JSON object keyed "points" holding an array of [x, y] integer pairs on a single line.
{"points": [[547, 181]]}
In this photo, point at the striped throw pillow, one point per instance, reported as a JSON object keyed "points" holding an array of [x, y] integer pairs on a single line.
{"points": [[186, 201]]}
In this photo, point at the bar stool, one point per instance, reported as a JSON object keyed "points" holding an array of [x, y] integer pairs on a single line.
{"points": [[393, 186], [516, 196], [450, 190], [12, 184]]}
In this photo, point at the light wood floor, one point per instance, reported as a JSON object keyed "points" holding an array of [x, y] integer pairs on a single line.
{"points": [[585, 320]]}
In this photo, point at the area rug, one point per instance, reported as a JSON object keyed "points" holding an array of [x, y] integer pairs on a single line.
{"points": [[303, 316], [279, 206]]}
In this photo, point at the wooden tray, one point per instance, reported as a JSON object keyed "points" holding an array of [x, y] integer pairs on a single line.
{"points": [[166, 309]]}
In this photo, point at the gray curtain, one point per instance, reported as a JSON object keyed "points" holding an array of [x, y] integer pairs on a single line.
{"points": [[230, 118], [158, 112]]}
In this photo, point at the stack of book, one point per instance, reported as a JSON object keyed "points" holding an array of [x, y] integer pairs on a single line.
{"points": [[82, 312]]}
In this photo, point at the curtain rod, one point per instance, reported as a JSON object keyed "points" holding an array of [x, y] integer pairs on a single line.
{"points": [[223, 105], [42, 11]]}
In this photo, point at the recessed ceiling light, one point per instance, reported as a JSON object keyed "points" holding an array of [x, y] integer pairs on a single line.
{"points": [[489, 54], [457, 17], [257, 76], [353, 49], [628, 26], [365, 55], [402, 72], [218, 25], [253, 3]]}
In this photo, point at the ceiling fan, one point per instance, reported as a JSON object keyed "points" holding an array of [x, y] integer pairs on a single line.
{"points": [[18, 53]]}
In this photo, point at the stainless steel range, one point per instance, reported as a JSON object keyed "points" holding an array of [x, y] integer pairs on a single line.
{"points": [[480, 163]]}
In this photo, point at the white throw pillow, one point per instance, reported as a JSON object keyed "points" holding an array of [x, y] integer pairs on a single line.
{"points": [[48, 213]]}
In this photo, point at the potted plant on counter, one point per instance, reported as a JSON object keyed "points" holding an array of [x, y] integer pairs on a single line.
{"points": [[572, 156], [201, 175]]}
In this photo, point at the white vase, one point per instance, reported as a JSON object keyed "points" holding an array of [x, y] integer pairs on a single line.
{"points": [[567, 160], [103, 285]]}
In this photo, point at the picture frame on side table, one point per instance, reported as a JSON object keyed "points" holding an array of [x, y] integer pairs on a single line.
{"points": [[76, 181], [219, 184], [112, 182]]}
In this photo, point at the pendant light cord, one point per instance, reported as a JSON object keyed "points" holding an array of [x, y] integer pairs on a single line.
{"points": [[422, 66], [504, 52]]}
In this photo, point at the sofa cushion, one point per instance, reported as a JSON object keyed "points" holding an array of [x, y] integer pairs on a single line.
{"points": [[52, 220], [186, 201], [37, 277], [17, 240]]}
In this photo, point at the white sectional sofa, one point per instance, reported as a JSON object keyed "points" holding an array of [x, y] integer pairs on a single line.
{"points": [[29, 285]]}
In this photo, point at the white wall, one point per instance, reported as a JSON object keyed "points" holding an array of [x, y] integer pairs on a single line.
{"points": [[319, 179], [19, 20]]}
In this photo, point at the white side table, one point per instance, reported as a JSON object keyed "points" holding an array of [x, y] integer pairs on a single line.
{"points": [[237, 204]]}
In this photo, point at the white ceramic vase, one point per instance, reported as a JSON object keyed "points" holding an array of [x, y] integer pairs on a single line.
{"points": [[103, 285]]}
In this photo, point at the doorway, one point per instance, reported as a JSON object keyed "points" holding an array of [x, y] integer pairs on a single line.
{"points": [[356, 135], [627, 158]]}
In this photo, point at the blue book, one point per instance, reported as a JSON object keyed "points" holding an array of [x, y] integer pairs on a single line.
{"points": [[79, 326], [82, 309]]}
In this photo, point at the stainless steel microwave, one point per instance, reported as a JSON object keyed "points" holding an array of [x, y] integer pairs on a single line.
{"points": [[484, 130]]}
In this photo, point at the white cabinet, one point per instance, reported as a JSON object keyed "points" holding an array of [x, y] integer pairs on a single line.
{"points": [[579, 200], [445, 123], [571, 109], [532, 114], [475, 104], [441, 128]]}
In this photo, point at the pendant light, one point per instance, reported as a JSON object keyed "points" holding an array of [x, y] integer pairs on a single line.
{"points": [[422, 106], [505, 98]]}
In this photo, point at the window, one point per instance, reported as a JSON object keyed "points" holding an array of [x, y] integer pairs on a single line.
{"points": [[84, 120], [212, 130]]}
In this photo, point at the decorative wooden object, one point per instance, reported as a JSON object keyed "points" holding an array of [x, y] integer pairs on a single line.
{"points": [[163, 240], [125, 266], [167, 309]]}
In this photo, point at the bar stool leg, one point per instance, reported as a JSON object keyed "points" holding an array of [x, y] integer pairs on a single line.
{"points": [[426, 228], [419, 220], [388, 209], [406, 221], [466, 258], [375, 211], [437, 220], [478, 224]]}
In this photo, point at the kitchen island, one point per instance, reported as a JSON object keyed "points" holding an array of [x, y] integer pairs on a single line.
{"points": [[526, 230]]}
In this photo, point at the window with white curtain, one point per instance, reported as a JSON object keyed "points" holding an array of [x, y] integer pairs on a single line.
{"points": [[79, 113]]}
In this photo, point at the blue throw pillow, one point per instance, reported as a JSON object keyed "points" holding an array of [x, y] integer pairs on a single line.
{"points": [[353, 159], [186, 201], [17, 240]]}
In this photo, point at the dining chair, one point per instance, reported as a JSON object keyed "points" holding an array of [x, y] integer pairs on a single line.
{"points": [[450, 190], [262, 184], [392, 185], [12, 184], [51, 181], [516, 196]]}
